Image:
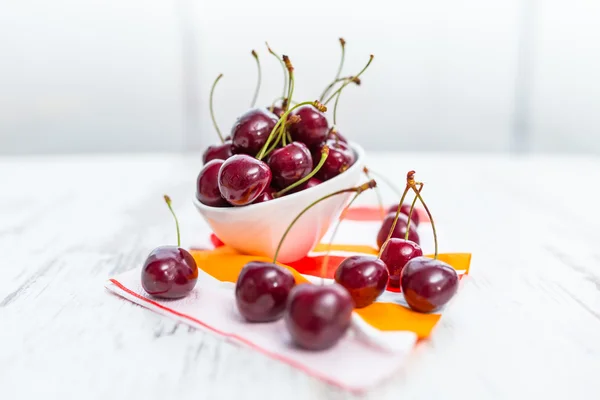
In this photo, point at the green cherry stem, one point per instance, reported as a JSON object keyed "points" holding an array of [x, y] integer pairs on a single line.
{"points": [[285, 78], [339, 71], [257, 90], [348, 81], [377, 192], [168, 201], [410, 212], [361, 188], [212, 113], [325, 263], [409, 179], [283, 118], [290, 70], [324, 154], [430, 219]]}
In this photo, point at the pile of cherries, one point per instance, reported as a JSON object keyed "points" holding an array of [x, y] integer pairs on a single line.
{"points": [[276, 150], [318, 316]]}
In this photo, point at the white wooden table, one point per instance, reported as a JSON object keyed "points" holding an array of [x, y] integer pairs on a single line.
{"points": [[525, 324]]}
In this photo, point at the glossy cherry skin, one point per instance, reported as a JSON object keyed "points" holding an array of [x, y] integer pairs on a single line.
{"points": [[262, 290], [364, 277], [312, 129], [396, 254], [428, 284], [221, 151], [169, 272], [399, 229], [276, 110], [317, 316], [337, 136], [405, 209], [266, 195], [251, 130], [340, 158], [289, 164], [242, 179], [207, 186]]}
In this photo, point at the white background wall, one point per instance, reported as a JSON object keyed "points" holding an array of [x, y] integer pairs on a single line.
{"points": [[134, 75]]}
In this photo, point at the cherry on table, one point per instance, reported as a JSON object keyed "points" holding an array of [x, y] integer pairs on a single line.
{"points": [[399, 229], [428, 284], [251, 130], [220, 151], [364, 277], [396, 254], [290, 163], [340, 158], [207, 185], [312, 129], [169, 272], [262, 290], [317, 316], [242, 179]]}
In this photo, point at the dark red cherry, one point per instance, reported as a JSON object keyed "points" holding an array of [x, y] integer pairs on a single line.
{"points": [[399, 229], [340, 158], [266, 195], [336, 136], [220, 151], [276, 110], [242, 179], [364, 277], [428, 284], [207, 185], [262, 290], [317, 316], [405, 209], [312, 129], [289, 164], [169, 272], [396, 254], [312, 182], [251, 130]]}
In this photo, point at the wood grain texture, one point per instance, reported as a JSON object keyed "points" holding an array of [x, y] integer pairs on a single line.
{"points": [[525, 324]]}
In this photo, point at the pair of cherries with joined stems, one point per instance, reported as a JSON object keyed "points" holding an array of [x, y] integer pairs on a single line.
{"points": [[277, 150]]}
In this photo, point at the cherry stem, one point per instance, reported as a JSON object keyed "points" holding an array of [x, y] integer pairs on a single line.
{"points": [[285, 78], [409, 178], [324, 154], [377, 193], [290, 69], [332, 84], [335, 229], [350, 80], [361, 188], [410, 212], [430, 219], [284, 100], [212, 113], [343, 45], [255, 55], [168, 201], [283, 118]]}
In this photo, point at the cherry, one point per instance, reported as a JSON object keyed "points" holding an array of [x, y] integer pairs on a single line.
{"points": [[262, 290], [251, 130], [428, 284], [317, 316], [290, 163], [242, 179], [405, 209], [335, 135], [312, 129], [218, 152], [312, 182], [169, 272], [365, 278], [341, 157], [266, 195], [207, 185], [399, 229], [396, 254]]}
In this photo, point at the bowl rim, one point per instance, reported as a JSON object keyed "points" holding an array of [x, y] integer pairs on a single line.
{"points": [[360, 155]]}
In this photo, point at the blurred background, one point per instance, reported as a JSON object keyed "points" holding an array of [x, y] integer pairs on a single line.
{"points": [[457, 76]]}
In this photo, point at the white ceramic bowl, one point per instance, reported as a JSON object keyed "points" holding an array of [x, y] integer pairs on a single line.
{"points": [[256, 229]]}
